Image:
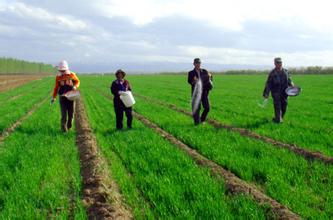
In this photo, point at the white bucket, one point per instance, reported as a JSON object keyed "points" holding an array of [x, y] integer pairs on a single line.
{"points": [[127, 98]]}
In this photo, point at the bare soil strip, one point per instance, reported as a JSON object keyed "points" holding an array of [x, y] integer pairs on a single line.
{"points": [[8, 82], [307, 154], [12, 128], [101, 195], [233, 183]]}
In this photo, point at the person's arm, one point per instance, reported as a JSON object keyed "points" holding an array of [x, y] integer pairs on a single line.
{"points": [[76, 81], [114, 89], [268, 85], [290, 82], [190, 78], [210, 76], [128, 86], [56, 88]]}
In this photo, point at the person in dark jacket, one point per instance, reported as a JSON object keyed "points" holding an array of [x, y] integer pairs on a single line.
{"points": [[277, 82], [118, 86], [194, 78]]}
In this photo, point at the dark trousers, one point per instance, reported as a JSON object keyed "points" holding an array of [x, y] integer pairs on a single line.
{"points": [[119, 109], [280, 106], [67, 109], [206, 106]]}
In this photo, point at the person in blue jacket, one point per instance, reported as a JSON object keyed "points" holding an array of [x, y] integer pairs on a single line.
{"points": [[118, 86]]}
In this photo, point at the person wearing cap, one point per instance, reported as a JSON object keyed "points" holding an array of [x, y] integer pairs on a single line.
{"points": [[65, 81], [117, 87], [194, 76], [277, 82]]}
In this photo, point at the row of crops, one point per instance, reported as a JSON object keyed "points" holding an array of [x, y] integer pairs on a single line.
{"points": [[284, 176], [15, 66], [41, 168]]}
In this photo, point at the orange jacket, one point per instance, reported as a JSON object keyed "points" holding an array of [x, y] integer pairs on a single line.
{"points": [[64, 83]]}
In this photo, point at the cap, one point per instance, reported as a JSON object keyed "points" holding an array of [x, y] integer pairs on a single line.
{"points": [[197, 60], [277, 60]]}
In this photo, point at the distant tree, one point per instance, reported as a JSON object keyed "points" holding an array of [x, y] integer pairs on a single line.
{"points": [[15, 66]]}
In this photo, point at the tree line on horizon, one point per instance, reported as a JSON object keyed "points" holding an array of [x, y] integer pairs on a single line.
{"points": [[16, 66], [318, 70]]}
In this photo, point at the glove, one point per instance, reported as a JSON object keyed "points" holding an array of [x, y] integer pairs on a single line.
{"points": [[52, 100]]}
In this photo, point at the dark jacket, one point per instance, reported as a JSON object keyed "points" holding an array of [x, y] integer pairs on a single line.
{"points": [[277, 83], [116, 86], [205, 78]]}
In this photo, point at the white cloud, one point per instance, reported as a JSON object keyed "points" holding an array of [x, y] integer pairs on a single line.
{"points": [[44, 17], [147, 31], [224, 13]]}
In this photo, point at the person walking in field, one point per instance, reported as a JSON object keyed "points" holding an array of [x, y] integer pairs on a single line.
{"points": [[65, 81], [117, 87], [201, 83], [277, 82]]}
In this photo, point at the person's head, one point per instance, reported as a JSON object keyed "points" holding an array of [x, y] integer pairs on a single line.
{"points": [[278, 62], [120, 74], [197, 63], [63, 67]]}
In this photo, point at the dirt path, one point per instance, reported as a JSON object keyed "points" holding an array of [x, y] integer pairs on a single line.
{"points": [[12, 128], [233, 183], [307, 154], [100, 193]]}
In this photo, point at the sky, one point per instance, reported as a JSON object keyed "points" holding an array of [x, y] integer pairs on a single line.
{"points": [[160, 35]]}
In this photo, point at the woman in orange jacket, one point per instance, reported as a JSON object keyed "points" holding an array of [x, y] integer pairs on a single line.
{"points": [[65, 81]]}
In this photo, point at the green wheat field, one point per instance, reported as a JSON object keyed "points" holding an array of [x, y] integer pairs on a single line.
{"points": [[40, 166]]}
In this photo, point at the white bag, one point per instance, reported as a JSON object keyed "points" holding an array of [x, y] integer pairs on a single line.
{"points": [[127, 98]]}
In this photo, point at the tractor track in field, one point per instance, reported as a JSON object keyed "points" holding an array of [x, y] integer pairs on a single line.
{"points": [[233, 183], [12, 128], [101, 195], [129, 173], [307, 154]]}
